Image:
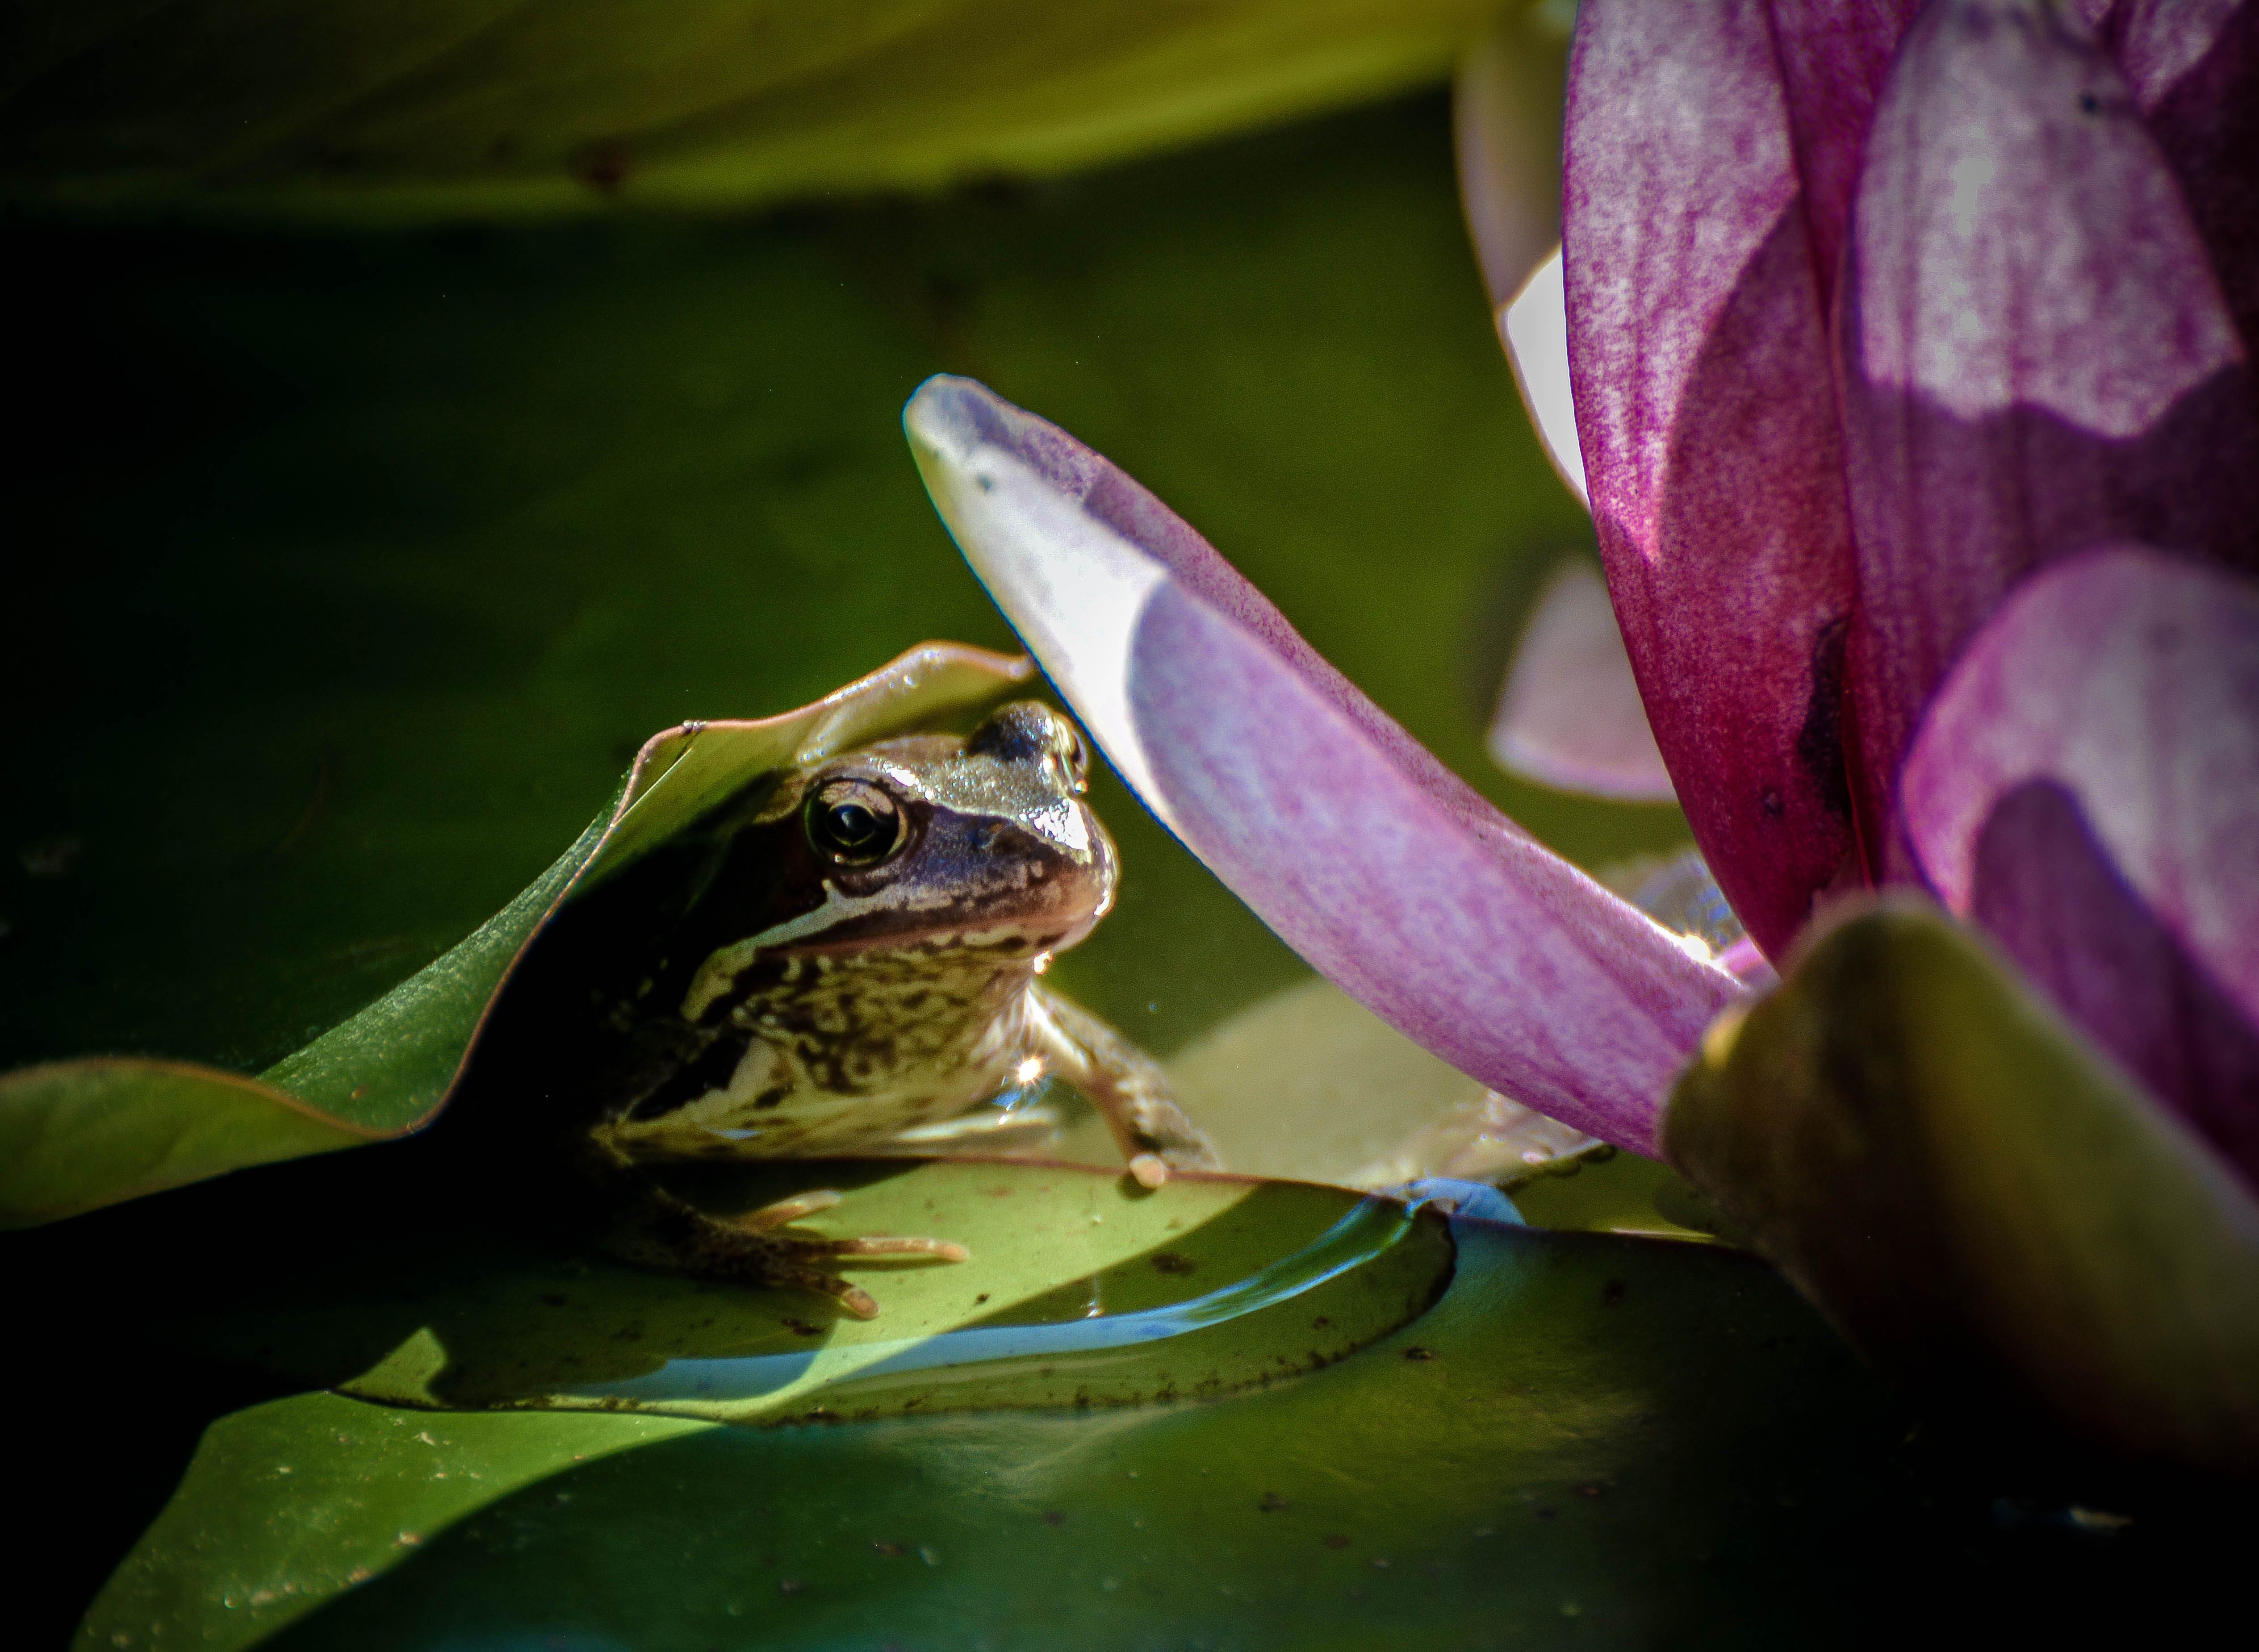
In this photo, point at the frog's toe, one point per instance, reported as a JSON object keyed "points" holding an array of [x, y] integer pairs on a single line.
{"points": [[854, 1298], [947, 1249], [1150, 1169], [784, 1211]]}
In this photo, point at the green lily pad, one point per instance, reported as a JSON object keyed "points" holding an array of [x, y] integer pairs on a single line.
{"points": [[1979, 1197], [89, 1133], [1083, 1290], [456, 109], [1571, 1400]]}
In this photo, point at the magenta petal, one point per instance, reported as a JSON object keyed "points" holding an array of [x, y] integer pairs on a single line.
{"points": [[2194, 68], [1706, 413], [1343, 832], [2086, 786], [2036, 355], [1832, 55]]}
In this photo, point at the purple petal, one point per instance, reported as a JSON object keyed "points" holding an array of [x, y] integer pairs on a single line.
{"points": [[1832, 55], [2193, 66], [1343, 832], [2086, 786], [1706, 412], [2036, 355], [1570, 716]]}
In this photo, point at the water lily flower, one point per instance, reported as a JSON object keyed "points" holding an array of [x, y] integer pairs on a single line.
{"points": [[1910, 391], [1908, 354]]}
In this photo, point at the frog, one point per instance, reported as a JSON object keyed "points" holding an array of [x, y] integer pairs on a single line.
{"points": [[824, 965]]}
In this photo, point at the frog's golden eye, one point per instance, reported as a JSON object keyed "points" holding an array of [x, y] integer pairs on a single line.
{"points": [[854, 823]]}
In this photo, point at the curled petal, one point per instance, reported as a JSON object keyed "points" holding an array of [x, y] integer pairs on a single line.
{"points": [[2036, 356], [2086, 786], [1706, 414], [1344, 833], [1570, 716]]}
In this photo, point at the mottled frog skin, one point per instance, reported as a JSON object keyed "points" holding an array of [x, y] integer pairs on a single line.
{"points": [[833, 957]]}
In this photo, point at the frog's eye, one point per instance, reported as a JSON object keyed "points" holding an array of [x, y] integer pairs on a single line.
{"points": [[854, 823]]}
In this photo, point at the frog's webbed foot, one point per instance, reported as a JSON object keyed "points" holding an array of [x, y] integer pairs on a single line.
{"points": [[652, 1227], [1125, 1085]]}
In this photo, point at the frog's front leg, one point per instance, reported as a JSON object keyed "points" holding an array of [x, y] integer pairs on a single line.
{"points": [[645, 1223], [1124, 1084]]}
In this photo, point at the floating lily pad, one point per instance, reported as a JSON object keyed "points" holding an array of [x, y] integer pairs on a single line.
{"points": [[1083, 1289], [1480, 1474]]}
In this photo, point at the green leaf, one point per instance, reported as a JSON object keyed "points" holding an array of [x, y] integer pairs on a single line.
{"points": [[451, 110], [76, 1135], [1484, 1470], [1981, 1199], [81, 1135], [1084, 1289]]}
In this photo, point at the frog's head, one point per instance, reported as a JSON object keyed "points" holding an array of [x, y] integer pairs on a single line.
{"points": [[979, 844]]}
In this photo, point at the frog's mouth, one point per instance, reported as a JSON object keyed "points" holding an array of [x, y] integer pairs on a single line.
{"points": [[1011, 910]]}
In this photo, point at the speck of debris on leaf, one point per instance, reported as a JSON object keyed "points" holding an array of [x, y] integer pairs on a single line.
{"points": [[1419, 1353], [1611, 1292], [1170, 1262], [1272, 1503]]}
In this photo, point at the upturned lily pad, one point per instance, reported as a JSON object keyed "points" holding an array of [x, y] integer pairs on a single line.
{"points": [[87, 1133], [1979, 1198]]}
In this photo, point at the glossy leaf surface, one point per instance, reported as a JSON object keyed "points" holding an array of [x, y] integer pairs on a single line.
{"points": [[1979, 1198], [449, 111]]}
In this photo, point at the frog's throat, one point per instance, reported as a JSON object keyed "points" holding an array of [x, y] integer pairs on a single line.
{"points": [[718, 976]]}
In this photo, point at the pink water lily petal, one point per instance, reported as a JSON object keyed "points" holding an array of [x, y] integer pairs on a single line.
{"points": [[1706, 414], [2036, 356], [1569, 715], [2194, 67], [1832, 55], [2086, 786], [1345, 834]]}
